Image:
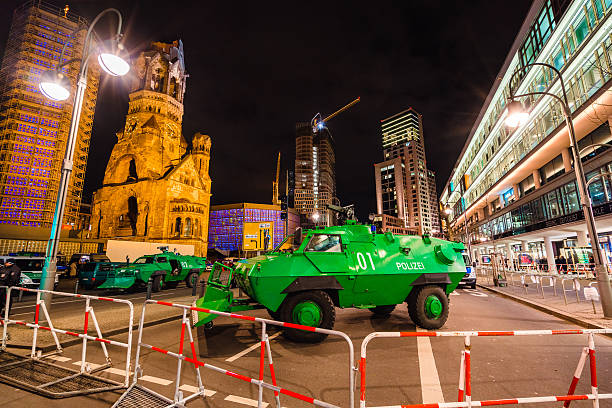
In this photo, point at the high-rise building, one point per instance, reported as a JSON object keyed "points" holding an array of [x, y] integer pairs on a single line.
{"points": [[154, 189], [515, 188], [405, 188], [315, 176], [34, 129]]}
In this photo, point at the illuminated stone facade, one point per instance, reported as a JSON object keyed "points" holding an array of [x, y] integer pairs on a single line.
{"points": [[154, 189]]}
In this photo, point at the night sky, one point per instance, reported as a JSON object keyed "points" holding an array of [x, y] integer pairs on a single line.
{"points": [[256, 68]]}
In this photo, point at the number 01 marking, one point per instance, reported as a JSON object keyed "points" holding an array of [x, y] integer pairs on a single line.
{"points": [[362, 261]]}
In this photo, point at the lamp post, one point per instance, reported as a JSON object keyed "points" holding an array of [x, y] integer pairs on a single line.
{"points": [[517, 116], [54, 85]]}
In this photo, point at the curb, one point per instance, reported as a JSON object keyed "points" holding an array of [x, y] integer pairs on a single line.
{"points": [[557, 313], [72, 342]]}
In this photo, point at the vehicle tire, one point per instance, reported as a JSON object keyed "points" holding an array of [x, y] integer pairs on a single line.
{"points": [[171, 285], [473, 285], [313, 308], [383, 310], [88, 286], [428, 306], [157, 283], [191, 277]]}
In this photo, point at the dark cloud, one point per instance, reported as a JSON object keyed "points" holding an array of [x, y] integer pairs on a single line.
{"points": [[258, 67]]}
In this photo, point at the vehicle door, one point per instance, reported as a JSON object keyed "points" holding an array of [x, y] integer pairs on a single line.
{"points": [[175, 267], [327, 253], [163, 264]]}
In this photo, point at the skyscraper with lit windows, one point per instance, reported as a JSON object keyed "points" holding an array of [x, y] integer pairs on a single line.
{"points": [[405, 188], [33, 129]]}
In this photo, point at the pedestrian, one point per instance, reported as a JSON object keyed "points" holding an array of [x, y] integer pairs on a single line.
{"points": [[10, 275], [563, 264]]}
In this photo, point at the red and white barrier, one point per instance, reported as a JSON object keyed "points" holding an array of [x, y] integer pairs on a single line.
{"points": [[89, 315], [264, 351], [465, 372]]}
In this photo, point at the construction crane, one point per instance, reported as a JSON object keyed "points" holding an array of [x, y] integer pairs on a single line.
{"points": [[275, 198], [318, 123]]}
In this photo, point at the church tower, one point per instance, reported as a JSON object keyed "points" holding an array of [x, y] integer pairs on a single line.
{"points": [[151, 141], [154, 189]]}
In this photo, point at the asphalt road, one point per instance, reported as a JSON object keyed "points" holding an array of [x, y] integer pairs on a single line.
{"points": [[399, 370]]}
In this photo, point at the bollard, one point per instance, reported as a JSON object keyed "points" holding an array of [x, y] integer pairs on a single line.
{"points": [[76, 286], [194, 284], [202, 288], [149, 288]]}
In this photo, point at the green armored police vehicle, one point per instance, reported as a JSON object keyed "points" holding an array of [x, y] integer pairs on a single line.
{"points": [[166, 269], [343, 266]]}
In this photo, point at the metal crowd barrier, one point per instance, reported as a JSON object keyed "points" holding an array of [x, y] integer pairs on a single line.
{"points": [[34, 374], [465, 374], [137, 393]]}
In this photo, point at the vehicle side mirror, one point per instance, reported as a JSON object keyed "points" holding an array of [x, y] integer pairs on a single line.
{"points": [[344, 247], [297, 237]]}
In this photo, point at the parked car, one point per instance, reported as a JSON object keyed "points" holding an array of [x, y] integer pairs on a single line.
{"points": [[31, 270], [470, 273], [93, 274]]}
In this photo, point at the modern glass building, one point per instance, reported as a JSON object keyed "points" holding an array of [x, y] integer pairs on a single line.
{"points": [[225, 231], [515, 187], [315, 174], [405, 188], [34, 129]]}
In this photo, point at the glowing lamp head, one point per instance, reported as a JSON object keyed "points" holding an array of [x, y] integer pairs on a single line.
{"points": [[316, 217], [447, 210], [516, 114], [113, 59], [54, 85], [321, 125]]}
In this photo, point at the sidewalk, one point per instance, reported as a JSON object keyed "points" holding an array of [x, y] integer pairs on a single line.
{"points": [[580, 313], [112, 319]]}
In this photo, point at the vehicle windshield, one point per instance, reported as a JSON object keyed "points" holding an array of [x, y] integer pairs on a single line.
{"points": [[324, 243], [35, 265], [144, 260], [287, 245]]}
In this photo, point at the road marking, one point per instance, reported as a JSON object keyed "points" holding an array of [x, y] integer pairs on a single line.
{"points": [[430, 382], [244, 401], [156, 380], [253, 347], [61, 359], [454, 294], [192, 389], [116, 371], [92, 365], [476, 292]]}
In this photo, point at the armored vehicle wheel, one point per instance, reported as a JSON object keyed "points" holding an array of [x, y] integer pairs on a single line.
{"points": [[171, 285], [157, 283], [313, 308], [428, 307], [382, 310], [190, 279]]}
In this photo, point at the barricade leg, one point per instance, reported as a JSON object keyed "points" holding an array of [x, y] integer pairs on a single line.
{"points": [[35, 335], [195, 363], [50, 323], [99, 332], [271, 364], [461, 377], [577, 373], [468, 372], [177, 396], [261, 364], [576, 283], [85, 327], [5, 321], [594, 390]]}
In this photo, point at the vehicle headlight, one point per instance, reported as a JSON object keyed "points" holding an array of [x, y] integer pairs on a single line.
{"points": [[26, 279]]}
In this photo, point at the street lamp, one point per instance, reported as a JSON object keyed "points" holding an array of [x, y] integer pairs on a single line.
{"points": [[516, 115], [54, 85]]}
